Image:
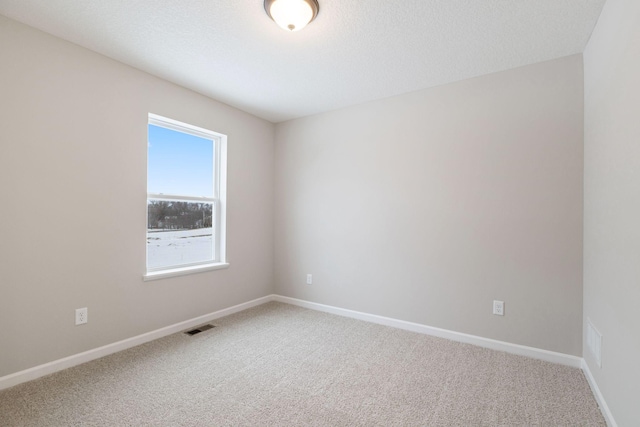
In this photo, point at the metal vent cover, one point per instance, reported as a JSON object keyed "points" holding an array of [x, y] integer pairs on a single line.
{"points": [[200, 329]]}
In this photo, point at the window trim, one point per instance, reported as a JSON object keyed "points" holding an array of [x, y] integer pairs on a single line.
{"points": [[183, 271], [219, 201]]}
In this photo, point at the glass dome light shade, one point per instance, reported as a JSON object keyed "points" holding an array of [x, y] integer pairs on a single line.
{"points": [[291, 15]]}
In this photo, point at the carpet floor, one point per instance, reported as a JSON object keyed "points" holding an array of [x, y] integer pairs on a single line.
{"points": [[282, 365]]}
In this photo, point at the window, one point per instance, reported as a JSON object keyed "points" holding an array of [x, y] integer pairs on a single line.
{"points": [[186, 171]]}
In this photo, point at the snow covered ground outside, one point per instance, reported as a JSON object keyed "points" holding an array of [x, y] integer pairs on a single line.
{"points": [[172, 248]]}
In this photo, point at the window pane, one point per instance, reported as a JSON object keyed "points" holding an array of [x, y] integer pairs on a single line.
{"points": [[179, 233], [179, 163]]}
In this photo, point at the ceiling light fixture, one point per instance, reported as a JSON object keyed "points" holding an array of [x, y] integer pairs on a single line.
{"points": [[291, 15]]}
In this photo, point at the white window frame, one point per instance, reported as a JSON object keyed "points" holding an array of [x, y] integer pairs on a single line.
{"points": [[219, 201]]}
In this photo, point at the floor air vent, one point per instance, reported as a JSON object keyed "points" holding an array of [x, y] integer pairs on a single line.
{"points": [[199, 329]]}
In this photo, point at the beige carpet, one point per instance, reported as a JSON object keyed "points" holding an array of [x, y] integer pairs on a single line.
{"points": [[282, 365]]}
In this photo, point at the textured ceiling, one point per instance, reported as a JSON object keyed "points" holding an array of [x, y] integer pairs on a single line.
{"points": [[355, 51]]}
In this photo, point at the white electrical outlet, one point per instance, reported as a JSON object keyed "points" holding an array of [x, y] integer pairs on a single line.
{"points": [[498, 308], [309, 279], [82, 316]]}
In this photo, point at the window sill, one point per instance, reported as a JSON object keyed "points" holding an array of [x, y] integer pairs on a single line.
{"points": [[183, 271]]}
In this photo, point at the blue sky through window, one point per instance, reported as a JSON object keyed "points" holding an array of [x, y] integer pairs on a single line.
{"points": [[179, 163]]}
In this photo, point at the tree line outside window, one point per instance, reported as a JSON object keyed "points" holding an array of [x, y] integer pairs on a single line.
{"points": [[174, 215]]}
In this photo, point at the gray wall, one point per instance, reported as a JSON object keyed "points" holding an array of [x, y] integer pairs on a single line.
{"points": [[612, 204], [423, 207], [73, 156], [427, 206]]}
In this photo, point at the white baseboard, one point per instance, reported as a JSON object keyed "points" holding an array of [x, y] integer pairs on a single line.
{"points": [[536, 353], [96, 353], [77, 359], [604, 408]]}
